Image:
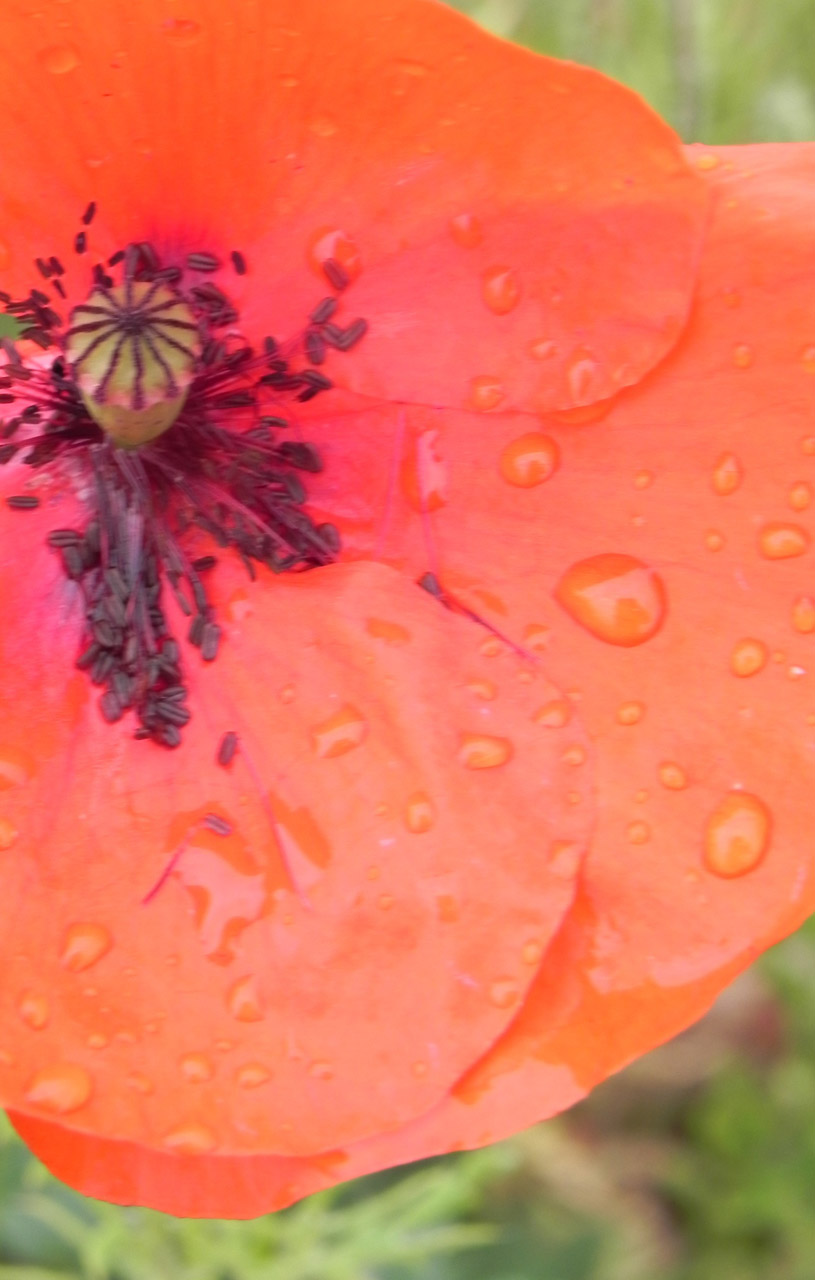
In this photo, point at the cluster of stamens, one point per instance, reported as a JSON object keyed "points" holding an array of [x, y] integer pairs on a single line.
{"points": [[174, 425]]}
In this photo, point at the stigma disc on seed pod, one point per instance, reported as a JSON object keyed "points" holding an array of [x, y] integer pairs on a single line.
{"points": [[133, 351]]}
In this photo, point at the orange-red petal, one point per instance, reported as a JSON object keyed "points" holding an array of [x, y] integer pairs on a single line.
{"points": [[521, 232]]}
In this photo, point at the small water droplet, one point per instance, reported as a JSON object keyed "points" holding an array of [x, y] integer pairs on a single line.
{"points": [[243, 1000], [800, 496], [59, 1088], [385, 901], [34, 1009], [191, 1140], [500, 289], [808, 359], [483, 689], [638, 832], [483, 751], [139, 1082], [97, 1040], [574, 756], [780, 541], [504, 993], [529, 460], [8, 834], [420, 813], [672, 776], [580, 375], [330, 242], [714, 540], [532, 952], [466, 230], [616, 598], [542, 349], [391, 632], [630, 712], [536, 637], [643, 479], [181, 31], [808, 446], [252, 1074], [84, 944], [737, 835], [321, 1071], [727, 474], [491, 647], [59, 59], [803, 614], [196, 1067], [749, 657], [287, 693], [707, 161], [485, 393], [742, 355], [339, 733], [554, 714]]}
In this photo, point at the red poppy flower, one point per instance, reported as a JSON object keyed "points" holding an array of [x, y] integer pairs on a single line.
{"points": [[408, 850]]}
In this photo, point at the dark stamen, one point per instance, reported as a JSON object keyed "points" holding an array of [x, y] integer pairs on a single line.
{"points": [[202, 261], [227, 748], [88, 215], [238, 262], [80, 242], [22, 501], [335, 274]]}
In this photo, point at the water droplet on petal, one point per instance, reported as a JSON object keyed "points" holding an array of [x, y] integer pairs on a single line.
{"points": [[483, 751], [532, 952], [196, 1067], [483, 689], [504, 993], [707, 161], [83, 945], [59, 59], [748, 657], [630, 712], [529, 460], [742, 356], [323, 126], [191, 1140], [181, 31], [330, 242], [780, 541], [714, 541], [643, 479], [737, 835], [466, 230], [339, 733], [60, 1088], [420, 813], [574, 755], [8, 834], [580, 375], [486, 392], [321, 1071], [501, 289], [424, 473], [639, 832], [554, 714], [808, 359], [727, 474], [672, 776], [542, 349], [391, 632], [139, 1082], [803, 614], [616, 598], [800, 496], [34, 1009], [252, 1074], [243, 1000], [385, 901]]}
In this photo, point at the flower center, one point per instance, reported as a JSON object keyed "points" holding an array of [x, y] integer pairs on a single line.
{"points": [[174, 431], [133, 351]]}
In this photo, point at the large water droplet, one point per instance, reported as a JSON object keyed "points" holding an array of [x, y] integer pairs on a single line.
{"points": [[580, 375], [34, 1009], [424, 473], [466, 230], [529, 460], [339, 733], [737, 835], [483, 751], [420, 813], [748, 657], [800, 496], [196, 1067], [84, 944], [501, 289], [780, 541], [728, 474], [139, 1083], [60, 1088], [243, 1000], [615, 597], [803, 614], [554, 714]]}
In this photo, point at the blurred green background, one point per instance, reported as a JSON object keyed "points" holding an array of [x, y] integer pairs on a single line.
{"points": [[696, 1163]]}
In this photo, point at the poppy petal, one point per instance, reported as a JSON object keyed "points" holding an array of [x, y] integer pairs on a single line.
{"points": [[525, 231], [354, 839]]}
